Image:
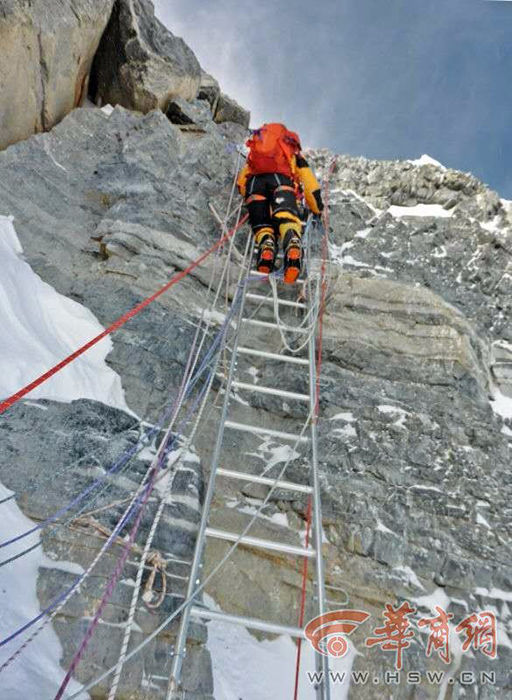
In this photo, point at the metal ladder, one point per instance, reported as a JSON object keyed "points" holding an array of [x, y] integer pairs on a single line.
{"points": [[193, 611]]}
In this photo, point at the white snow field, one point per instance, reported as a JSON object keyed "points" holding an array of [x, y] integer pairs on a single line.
{"points": [[40, 327]]}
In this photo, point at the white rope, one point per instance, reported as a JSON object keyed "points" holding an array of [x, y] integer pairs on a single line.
{"points": [[144, 443], [156, 520], [214, 571], [312, 313]]}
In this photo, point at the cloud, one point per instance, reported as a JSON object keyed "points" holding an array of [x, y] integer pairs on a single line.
{"points": [[387, 79]]}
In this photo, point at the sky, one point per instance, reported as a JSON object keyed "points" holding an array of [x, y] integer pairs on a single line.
{"points": [[386, 79]]}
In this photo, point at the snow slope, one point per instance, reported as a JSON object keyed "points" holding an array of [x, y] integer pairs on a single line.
{"points": [[247, 669], [35, 674], [40, 327]]}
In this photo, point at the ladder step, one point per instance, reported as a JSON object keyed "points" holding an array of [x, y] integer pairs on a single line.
{"points": [[273, 356], [250, 622], [259, 542], [265, 431], [270, 390], [268, 324], [255, 479], [270, 300]]}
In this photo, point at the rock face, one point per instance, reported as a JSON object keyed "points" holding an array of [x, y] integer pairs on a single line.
{"points": [[228, 110], [140, 64], [116, 51], [223, 107], [414, 461], [403, 332], [47, 52]]}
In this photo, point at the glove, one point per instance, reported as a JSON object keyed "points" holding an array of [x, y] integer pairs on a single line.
{"points": [[317, 194]]}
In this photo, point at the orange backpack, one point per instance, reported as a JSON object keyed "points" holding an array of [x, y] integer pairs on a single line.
{"points": [[271, 149]]}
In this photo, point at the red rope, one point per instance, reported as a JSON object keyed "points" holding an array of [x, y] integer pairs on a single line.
{"points": [[316, 411], [118, 323], [302, 599]]}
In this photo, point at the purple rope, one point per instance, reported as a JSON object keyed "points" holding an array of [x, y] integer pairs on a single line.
{"points": [[129, 515], [108, 590], [122, 560], [124, 520], [122, 460]]}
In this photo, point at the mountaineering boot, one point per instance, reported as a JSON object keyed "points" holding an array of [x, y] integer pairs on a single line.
{"points": [[292, 256], [266, 254]]}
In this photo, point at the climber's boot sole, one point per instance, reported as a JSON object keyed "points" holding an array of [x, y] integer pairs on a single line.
{"points": [[292, 264], [266, 261], [266, 258]]}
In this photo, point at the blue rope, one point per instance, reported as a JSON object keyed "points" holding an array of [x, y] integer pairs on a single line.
{"points": [[126, 456]]}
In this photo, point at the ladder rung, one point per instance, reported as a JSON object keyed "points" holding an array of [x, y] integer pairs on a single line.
{"points": [[273, 356], [249, 622], [269, 390], [268, 324], [259, 542], [255, 479], [265, 431], [270, 300]]}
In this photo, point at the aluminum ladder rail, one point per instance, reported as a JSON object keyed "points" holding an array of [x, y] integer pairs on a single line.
{"points": [[197, 612]]}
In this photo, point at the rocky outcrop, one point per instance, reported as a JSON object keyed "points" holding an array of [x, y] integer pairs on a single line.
{"points": [[47, 52], [228, 110], [402, 183], [140, 64], [394, 330], [223, 108], [192, 113], [209, 90]]}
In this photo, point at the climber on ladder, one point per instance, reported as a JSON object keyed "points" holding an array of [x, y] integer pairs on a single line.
{"points": [[271, 182]]}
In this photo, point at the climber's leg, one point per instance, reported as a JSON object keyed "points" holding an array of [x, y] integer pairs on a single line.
{"points": [[260, 218], [288, 223]]}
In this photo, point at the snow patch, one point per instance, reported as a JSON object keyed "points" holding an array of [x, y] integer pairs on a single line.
{"points": [[435, 210], [400, 412], [346, 416], [501, 404], [410, 576], [380, 527], [347, 431], [427, 160], [495, 593], [430, 601], [480, 520], [41, 327]]}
